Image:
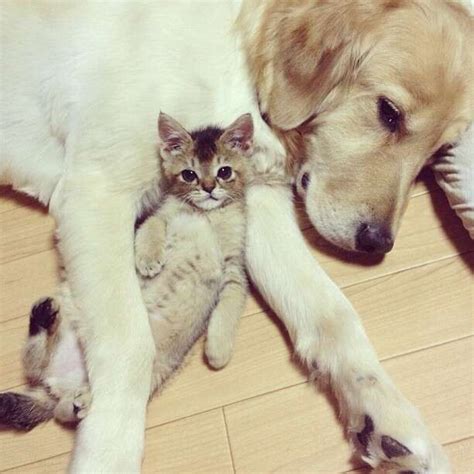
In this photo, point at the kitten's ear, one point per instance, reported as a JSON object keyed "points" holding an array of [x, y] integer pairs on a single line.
{"points": [[174, 139], [239, 135]]}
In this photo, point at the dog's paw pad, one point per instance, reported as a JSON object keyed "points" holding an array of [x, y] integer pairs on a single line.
{"points": [[415, 452], [364, 436], [392, 448], [43, 315]]}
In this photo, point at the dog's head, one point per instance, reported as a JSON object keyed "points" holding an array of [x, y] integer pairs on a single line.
{"points": [[370, 90]]}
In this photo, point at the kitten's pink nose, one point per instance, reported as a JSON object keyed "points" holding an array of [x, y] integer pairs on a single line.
{"points": [[208, 186]]}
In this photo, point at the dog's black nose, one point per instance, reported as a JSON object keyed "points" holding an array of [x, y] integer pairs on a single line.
{"points": [[373, 238]]}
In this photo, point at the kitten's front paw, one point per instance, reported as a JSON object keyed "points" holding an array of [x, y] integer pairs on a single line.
{"points": [[81, 403], [148, 267], [218, 350]]}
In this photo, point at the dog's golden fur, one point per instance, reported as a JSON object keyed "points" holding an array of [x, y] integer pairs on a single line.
{"points": [[324, 64]]}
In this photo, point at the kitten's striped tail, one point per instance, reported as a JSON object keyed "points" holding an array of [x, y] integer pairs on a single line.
{"points": [[23, 411]]}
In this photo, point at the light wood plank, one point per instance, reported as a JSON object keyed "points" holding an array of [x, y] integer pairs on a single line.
{"points": [[25, 231], [294, 430], [418, 308], [13, 334], [25, 280], [55, 465], [461, 455], [193, 445], [43, 442]]}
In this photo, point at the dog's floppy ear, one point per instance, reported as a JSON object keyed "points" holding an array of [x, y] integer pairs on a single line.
{"points": [[174, 139], [239, 135], [317, 48]]}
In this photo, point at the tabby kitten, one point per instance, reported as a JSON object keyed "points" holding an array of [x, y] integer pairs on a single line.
{"points": [[190, 262]]}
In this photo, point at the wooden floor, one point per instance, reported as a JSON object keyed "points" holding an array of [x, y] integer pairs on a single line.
{"points": [[260, 415]]}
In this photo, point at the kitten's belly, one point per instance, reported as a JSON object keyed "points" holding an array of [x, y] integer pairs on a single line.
{"points": [[191, 237], [67, 369], [192, 273]]}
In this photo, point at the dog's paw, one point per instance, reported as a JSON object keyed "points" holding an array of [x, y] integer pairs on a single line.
{"points": [[43, 315], [405, 447]]}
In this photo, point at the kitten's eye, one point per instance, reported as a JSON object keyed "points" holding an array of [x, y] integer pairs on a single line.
{"points": [[224, 173], [389, 116], [188, 175]]}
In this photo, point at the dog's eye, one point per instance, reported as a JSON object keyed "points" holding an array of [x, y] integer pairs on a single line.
{"points": [[305, 181], [389, 115], [224, 173], [188, 175]]}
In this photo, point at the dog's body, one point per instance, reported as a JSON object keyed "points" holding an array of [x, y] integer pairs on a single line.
{"points": [[81, 88]]}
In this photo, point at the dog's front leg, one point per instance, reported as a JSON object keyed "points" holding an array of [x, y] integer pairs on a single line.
{"points": [[96, 229], [329, 338]]}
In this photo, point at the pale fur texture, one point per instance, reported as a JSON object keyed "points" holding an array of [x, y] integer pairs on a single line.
{"points": [[79, 93]]}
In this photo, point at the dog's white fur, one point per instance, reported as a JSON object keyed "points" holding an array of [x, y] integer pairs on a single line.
{"points": [[82, 85]]}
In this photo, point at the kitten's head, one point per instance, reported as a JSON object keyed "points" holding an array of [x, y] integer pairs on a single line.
{"points": [[207, 168]]}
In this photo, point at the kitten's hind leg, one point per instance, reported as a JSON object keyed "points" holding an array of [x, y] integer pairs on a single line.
{"points": [[23, 411], [44, 322], [224, 319], [43, 316], [73, 406]]}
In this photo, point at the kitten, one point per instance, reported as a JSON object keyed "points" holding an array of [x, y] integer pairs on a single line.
{"points": [[190, 263]]}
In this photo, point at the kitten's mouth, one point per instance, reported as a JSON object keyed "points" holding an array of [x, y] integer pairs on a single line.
{"points": [[208, 203]]}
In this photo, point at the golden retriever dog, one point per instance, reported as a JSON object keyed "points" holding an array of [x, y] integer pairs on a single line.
{"points": [[350, 99], [372, 93]]}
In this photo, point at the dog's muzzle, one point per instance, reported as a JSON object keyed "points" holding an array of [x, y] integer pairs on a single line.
{"points": [[373, 238]]}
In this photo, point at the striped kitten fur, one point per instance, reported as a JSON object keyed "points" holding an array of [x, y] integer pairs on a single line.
{"points": [[190, 262]]}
